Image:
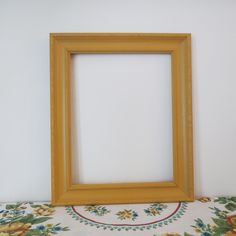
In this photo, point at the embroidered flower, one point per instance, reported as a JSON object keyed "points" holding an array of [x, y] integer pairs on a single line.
{"points": [[97, 210], [204, 199], [44, 210], [14, 221], [155, 209], [230, 233], [206, 234], [127, 215], [41, 227], [14, 229], [232, 220]]}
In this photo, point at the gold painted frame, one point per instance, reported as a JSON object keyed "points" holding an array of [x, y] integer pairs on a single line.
{"points": [[63, 46]]}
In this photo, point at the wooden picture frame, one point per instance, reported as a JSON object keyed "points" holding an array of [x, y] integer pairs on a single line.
{"points": [[63, 46]]}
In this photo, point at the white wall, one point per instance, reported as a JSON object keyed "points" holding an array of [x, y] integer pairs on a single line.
{"points": [[24, 81]]}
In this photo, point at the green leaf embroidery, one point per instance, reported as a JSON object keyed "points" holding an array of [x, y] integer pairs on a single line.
{"points": [[36, 232], [12, 206], [186, 234], [34, 206], [230, 206], [222, 230], [27, 219], [223, 226], [40, 220], [233, 199]]}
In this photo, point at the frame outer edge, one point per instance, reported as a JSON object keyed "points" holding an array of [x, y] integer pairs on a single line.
{"points": [[190, 117], [52, 117], [188, 193]]}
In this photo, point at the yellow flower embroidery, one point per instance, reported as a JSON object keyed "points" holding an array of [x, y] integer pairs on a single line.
{"points": [[43, 210], [14, 229], [127, 214], [204, 199]]}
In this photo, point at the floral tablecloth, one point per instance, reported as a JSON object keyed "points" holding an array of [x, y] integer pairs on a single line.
{"points": [[203, 217]]}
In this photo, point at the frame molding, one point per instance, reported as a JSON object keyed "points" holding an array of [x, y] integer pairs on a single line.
{"points": [[63, 46]]}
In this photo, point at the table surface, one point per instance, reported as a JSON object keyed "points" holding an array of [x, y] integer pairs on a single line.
{"points": [[205, 217]]}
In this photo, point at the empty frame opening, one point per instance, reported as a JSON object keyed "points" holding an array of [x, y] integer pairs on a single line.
{"points": [[122, 119]]}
